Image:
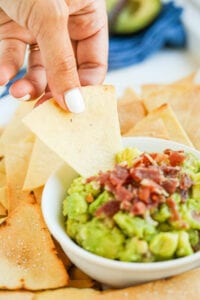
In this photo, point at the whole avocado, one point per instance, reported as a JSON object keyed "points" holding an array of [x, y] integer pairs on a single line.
{"points": [[129, 16]]}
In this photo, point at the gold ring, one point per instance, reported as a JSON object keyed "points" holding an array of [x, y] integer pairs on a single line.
{"points": [[34, 47]]}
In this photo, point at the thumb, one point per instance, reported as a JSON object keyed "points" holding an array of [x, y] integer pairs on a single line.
{"points": [[58, 56]]}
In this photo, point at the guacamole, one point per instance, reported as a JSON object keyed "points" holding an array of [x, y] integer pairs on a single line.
{"points": [[146, 209]]}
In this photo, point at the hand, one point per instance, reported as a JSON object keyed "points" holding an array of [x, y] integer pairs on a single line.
{"points": [[73, 44]]}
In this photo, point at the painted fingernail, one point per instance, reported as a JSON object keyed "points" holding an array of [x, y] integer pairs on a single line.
{"points": [[24, 98], [74, 100]]}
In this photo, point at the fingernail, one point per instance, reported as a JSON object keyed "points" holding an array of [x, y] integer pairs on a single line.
{"points": [[74, 101], [24, 98]]}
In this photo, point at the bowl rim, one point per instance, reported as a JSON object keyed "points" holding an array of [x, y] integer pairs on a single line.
{"points": [[61, 236]]}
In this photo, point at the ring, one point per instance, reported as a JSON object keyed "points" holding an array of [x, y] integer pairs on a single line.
{"points": [[34, 47]]}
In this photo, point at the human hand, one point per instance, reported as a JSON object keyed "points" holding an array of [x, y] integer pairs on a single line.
{"points": [[73, 44]]}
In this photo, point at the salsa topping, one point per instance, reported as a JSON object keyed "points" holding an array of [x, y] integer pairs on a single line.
{"points": [[149, 181]]}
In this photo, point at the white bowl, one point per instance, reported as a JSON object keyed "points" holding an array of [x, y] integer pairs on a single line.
{"points": [[107, 271]]}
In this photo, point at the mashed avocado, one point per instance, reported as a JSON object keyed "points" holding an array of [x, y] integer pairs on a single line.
{"points": [[146, 209]]}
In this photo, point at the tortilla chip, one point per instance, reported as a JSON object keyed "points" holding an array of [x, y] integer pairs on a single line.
{"points": [[69, 293], [38, 194], [6, 295], [16, 162], [185, 102], [3, 211], [42, 164], [147, 127], [86, 141], [182, 287], [130, 109], [28, 257], [16, 131], [1, 148], [2, 174], [4, 196], [174, 129], [61, 254]]}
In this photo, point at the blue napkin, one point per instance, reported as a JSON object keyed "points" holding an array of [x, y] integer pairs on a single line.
{"points": [[166, 30]]}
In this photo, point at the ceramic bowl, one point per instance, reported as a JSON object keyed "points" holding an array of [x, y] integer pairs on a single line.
{"points": [[110, 272]]}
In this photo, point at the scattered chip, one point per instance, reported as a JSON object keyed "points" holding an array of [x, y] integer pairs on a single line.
{"points": [[16, 161], [130, 109], [174, 128], [16, 131], [43, 162], [86, 141], [150, 127], [28, 257], [184, 100]]}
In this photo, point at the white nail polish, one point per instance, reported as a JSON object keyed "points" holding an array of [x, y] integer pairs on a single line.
{"points": [[24, 98], [74, 101]]}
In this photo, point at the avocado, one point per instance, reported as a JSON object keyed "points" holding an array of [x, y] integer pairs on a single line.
{"points": [[74, 206], [184, 248], [134, 15], [164, 244], [134, 250], [98, 238], [134, 226]]}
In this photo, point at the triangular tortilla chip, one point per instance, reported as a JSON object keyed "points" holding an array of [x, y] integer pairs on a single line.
{"points": [[148, 127], [1, 148], [174, 129], [16, 131], [87, 141], [16, 162], [6, 295], [38, 194], [43, 162], [4, 196], [27, 254], [130, 109], [69, 293], [185, 101]]}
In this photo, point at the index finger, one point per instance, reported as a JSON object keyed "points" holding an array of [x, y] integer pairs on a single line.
{"points": [[92, 57]]}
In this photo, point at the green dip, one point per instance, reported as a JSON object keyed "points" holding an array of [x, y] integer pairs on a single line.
{"points": [[146, 209]]}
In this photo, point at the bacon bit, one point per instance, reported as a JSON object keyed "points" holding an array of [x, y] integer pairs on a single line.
{"points": [[144, 194], [173, 207], [170, 185], [159, 157], [176, 158], [185, 182], [138, 209], [89, 198], [122, 194], [119, 175], [170, 171], [108, 209], [126, 205], [154, 187], [140, 173]]}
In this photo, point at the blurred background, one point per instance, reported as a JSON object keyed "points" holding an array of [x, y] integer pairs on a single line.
{"points": [[152, 40]]}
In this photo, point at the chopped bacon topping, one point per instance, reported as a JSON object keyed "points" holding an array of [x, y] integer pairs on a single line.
{"points": [[109, 208], [151, 180], [176, 158]]}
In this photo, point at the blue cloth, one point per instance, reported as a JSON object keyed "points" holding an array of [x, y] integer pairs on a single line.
{"points": [[166, 30]]}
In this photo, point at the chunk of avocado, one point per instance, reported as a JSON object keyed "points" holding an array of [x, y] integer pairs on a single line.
{"points": [[184, 248], [134, 250], [74, 206], [135, 15], [164, 244], [97, 238], [134, 226]]}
